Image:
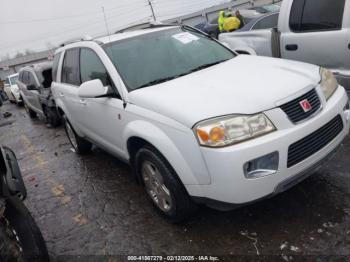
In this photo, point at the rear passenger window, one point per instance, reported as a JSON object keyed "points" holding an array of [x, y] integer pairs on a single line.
{"points": [[70, 69], [25, 78], [316, 15], [20, 77], [56, 60], [31, 79], [91, 67]]}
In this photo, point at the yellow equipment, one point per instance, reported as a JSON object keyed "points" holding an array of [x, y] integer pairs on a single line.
{"points": [[231, 24]]}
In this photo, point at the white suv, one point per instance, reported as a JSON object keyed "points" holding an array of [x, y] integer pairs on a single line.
{"points": [[197, 122], [11, 89]]}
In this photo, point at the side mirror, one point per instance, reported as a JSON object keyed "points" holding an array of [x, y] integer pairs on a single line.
{"points": [[245, 51], [32, 87], [92, 89]]}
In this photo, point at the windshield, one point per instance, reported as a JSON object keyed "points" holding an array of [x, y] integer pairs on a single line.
{"points": [[13, 80], [161, 56]]}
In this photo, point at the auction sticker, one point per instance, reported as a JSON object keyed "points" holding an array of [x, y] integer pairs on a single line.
{"points": [[185, 37]]}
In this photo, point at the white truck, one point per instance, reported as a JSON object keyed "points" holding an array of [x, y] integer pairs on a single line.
{"points": [[312, 31]]}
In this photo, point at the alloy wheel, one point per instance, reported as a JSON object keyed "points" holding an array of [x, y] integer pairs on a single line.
{"points": [[155, 186]]}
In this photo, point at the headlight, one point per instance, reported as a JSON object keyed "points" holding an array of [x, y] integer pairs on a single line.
{"points": [[328, 83], [229, 130]]}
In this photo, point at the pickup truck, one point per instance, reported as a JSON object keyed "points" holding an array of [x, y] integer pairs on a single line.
{"points": [[312, 31]]}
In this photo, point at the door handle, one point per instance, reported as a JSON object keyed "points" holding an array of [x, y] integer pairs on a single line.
{"points": [[291, 47], [83, 102], [61, 95]]}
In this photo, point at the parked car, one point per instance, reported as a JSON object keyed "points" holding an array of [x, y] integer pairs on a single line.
{"points": [[256, 11], [197, 122], [312, 31], [11, 89], [35, 88], [269, 20]]}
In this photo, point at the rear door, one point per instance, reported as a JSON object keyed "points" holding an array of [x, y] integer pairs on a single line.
{"points": [[23, 86], [68, 88], [315, 33]]}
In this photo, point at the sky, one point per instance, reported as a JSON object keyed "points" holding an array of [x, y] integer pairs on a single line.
{"points": [[39, 24]]}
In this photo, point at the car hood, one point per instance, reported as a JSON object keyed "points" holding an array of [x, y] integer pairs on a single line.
{"points": [[243, 85]]}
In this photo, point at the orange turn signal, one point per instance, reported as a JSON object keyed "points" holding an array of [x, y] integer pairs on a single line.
{"points": [[203, 135]]}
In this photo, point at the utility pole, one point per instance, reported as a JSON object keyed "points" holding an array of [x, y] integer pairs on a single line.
{"points": [[152, 10]]}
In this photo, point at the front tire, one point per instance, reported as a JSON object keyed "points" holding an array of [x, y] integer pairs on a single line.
{"points": [[163, 186], [80, 145]]}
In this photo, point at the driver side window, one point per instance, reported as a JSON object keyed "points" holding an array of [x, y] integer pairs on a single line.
{"points": [[91, 67]]}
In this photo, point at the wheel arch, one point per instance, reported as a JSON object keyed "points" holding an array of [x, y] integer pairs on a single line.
{"points": [[62, 112], [140, 133]]}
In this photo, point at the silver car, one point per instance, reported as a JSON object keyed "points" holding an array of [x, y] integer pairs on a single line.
{"points": [[34, 83]]}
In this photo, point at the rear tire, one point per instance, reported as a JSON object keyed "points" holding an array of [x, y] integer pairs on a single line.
{"points": [[52, 116], [164, 188], [30, 112], [80, 145]]}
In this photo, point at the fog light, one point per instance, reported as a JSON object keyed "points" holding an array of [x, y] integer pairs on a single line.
{"points": [[262, 166], [347, 111]]}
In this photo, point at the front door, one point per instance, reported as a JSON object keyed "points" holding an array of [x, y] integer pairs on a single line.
{"points": [[101, 118]]}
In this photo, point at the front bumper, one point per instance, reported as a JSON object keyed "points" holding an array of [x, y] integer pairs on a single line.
{"points": [[225, 165]]}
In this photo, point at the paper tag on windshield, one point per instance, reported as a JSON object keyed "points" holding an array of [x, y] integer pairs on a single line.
{"points": [[185, 37]]}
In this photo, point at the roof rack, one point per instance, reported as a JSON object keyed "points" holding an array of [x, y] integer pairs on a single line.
{"points": [[85, 38], [146, 25]]}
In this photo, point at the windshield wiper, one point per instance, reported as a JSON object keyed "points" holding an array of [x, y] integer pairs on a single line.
{"points": [[158, 81], [165, 79], [206, 66]]}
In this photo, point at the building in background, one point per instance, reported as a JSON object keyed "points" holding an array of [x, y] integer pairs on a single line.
{"points": [[12, 66]]}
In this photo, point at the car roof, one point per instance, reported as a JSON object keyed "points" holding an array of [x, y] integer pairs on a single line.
{"points": [[118, 36], [12, 75]]}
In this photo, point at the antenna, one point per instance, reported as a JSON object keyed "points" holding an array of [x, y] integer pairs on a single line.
{"points": [[105, 18], [152, 10]]}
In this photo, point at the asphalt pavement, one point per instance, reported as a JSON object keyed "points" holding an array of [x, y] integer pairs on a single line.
{"points": [[90, 205]]}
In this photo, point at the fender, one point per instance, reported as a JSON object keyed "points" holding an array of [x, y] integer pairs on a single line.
{"points": [[60, 104], [156, 137]]}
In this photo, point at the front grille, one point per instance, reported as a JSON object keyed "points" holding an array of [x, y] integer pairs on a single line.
{"points": [[314, 142], [294, 110]]}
